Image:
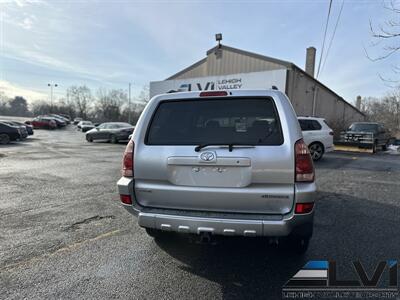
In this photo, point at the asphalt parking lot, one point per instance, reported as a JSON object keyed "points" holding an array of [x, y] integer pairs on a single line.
{"points": [[64, 235]]}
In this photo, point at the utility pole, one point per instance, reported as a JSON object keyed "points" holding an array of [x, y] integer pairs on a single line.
{"points": [[314, 103], [51, 94], [129, 103]]}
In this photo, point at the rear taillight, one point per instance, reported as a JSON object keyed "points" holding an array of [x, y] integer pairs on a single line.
{"points": [[127, 162], [330, 132], [126, 199], [304, 208], [303, 163], [213, 94]]}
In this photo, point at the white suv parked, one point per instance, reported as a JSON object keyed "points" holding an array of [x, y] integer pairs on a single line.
{"points": [[317, 135]]}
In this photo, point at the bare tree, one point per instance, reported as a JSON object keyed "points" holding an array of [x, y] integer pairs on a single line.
{"points": [[4, 104], [109, 104], [17, 106], [387, 36], [81, 97], [385, 110], [144, 95], [41, 108]]}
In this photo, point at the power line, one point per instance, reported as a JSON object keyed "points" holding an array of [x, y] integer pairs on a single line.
{"points": [[333, 36], [323, 42]]}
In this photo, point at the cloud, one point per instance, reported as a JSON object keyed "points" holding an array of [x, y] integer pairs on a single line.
{"points": [[27, 22], [22, 3], [41, 59], [12, 90], [174, 38]]}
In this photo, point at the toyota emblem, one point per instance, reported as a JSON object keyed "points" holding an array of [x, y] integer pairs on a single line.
{"points": [[207, 156]]}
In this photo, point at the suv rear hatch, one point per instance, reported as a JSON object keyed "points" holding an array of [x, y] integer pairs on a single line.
{"points": [[222, 154]]}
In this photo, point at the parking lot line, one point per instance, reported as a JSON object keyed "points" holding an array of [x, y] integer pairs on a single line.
{"points": [[63, 249]]}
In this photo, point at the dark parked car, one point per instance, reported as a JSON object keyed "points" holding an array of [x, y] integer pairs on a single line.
{"points": [[8, 133], [66, 120], [66, 117], [113, 132], [22, 129], [43, 122], [368, 133], [60, 122], [29, 128]]}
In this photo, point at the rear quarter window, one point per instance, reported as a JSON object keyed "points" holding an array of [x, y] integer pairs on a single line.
{"points": [[307, 125], [253, 121]]}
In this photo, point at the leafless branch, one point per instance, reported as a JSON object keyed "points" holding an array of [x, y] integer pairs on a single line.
{"points": [[390, 83], [383, 33], [391, 7]]}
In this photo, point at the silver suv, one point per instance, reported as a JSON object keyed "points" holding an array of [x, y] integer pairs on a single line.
{"points": [[220, 163]]}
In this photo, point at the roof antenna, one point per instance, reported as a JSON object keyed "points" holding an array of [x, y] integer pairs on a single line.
{"points": [[218, 38]]}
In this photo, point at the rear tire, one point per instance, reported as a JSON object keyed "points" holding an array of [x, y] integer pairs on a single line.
{"points": [[298, 244], [4, 139], [316, 150], [113, 139], [154, 233]]}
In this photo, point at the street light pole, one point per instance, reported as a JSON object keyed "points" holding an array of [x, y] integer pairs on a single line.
{"points": [[51, 94], [129, 103]]}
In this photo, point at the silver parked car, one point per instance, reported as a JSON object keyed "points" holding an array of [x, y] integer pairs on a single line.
{"points": [[220, 163], [85, 126]]}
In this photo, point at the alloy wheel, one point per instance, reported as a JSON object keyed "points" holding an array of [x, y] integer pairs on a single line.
{"points": [[316, 151], [4, 139]]}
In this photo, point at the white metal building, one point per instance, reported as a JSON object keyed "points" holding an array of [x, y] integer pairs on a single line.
{"points": [[230, 68]]}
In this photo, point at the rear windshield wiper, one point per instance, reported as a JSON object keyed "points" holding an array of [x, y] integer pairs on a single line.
{"points": [[230, 146]]}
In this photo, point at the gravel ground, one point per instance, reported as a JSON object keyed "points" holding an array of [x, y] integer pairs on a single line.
{"points": [[64, 235]]}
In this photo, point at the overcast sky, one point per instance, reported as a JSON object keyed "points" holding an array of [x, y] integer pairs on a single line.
{"points": [[110, 43]]}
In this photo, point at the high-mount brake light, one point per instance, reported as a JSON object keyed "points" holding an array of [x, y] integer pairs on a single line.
{"points": [[213, 93]]}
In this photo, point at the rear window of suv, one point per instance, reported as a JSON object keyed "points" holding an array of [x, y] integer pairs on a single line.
{"points": [[307, 125], [250, 121]]}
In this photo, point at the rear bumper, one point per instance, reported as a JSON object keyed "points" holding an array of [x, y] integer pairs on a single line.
{"points": [[222, 223], [329, 148], [354, 147], [222, 226], [354, 144], [14, 136]]}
